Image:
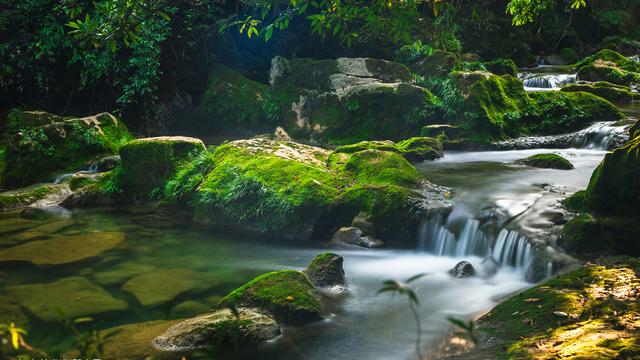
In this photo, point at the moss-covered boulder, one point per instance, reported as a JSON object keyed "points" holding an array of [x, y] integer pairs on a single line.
{"points": [[326, 271], [588, 313], [146, 164], [546, 161], [233, 102], [421, 148], [296, 191], [160, 287], [615, 184], [608, 65], [614, 93], [502, 67], [498, 104], [439, 63], [219, 328], [348, 99], [559, 112], [68, 298], [40, 146], [62, 249], [287, 295], [47, 194]]}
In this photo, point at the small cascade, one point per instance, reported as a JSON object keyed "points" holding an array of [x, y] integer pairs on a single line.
{"points": [[601, 135], [93, 168], [542, 82], [508, 248]]}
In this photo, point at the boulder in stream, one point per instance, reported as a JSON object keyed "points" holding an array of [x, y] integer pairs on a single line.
{"points": [[462, 270], [354, 236], [287, 295], [546, 161], [326, 271], [220, 327]]}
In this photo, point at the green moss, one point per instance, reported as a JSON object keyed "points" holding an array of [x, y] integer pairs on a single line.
{"points": [[377, 167], [147, 164], [421, 148], [546, 161], [560, 112], [592, 318], [502, 67], [386, 145], [439, 63], [24, 197], [592, 235], [615, 185], [611, 56], [322, 260], [499, 103], [233, 102], [606, 71], [576, 201], [287, 295], [608, 91], [40, 153]]}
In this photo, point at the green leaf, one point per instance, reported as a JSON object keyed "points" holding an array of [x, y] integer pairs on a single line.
{"points": [[268, 33]]}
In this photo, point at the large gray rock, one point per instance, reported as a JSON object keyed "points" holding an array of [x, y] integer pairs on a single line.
{"points": [[348, 99], [219, 327]]}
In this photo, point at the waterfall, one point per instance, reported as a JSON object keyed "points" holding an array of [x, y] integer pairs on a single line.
{"points": [[508, 248], [601, 135], [540, 82]]}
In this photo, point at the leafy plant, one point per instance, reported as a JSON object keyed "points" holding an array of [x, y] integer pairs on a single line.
{"points": [[13, 343], [469, 330], [409, 54], [403, 288]]}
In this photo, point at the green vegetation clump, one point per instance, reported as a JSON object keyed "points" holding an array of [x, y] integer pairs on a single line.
{"points": [[147, 164], [410, 54], [546, 161], [39, 153], [608, 91], [581, 314], [608, 65], [234, 102], [287, 295], [438, 63], [382, 145], [560, 112], [377, 167], [502, 67], [421, 148]]}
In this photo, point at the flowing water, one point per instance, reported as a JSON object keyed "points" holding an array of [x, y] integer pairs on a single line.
{"points": [[489, 192], [545, 78]]}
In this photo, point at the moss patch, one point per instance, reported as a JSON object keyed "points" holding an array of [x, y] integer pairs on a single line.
{"points": [[287, 295], [502, 67], [591, 312], [608, 91], [608, 65], [546, 161], [10, 200], [233, 102], [148, 163]]}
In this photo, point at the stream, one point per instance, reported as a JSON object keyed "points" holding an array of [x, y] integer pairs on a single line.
{"points": [[489, 192]]}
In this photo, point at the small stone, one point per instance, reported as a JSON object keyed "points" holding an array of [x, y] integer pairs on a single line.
{"points": [[560, 313]]}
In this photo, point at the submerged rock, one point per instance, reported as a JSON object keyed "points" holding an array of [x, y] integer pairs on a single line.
{"points": [[187, 309], [354, 236], [160, 287], [220, 327], [326, 271], [63, 249], [10, 312], [68, 298], [463, 269], [44, 230], [148, 163], [546, 161], [76, 142], [287, 295], [121, 273]]}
